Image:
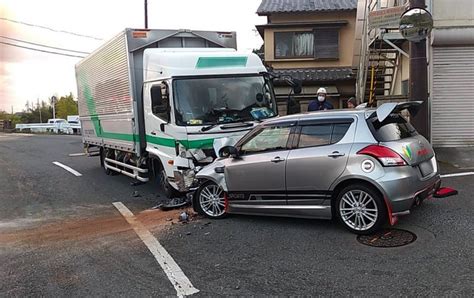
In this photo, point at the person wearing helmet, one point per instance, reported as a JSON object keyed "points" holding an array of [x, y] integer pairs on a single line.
{"points": [[321, 103]]}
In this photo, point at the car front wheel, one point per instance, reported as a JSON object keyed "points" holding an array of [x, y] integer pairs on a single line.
{"points": [[210, 199], [361, 209]]}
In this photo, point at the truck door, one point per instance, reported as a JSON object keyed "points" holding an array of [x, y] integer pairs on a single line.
{"points": [[161, 134]]}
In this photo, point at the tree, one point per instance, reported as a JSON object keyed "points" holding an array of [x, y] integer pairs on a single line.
{"points": [[65, 106]]}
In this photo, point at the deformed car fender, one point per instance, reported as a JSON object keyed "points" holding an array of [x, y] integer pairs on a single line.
{"points": [[214, 172]]}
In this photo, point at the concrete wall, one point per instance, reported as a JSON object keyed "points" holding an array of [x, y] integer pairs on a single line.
{"points": [[346, 39], [452, 13]]}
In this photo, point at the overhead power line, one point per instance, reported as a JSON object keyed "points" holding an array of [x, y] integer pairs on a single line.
{"points": [[42, 45], [50, 29], [44, 51]]}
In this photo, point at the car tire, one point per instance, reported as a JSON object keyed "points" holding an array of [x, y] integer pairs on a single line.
{"points": [[210, 200], [361, 209]]}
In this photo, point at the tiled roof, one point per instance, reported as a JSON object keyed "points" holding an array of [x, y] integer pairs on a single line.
{"points": [[282, 6], [317, 74]]}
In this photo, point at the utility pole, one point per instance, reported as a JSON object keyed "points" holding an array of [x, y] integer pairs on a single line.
{"points": [[419, 80], [146, 14], [39, 109]]}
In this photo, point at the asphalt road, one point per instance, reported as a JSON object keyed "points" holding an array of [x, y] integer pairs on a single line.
{"points": [[60, 235]]}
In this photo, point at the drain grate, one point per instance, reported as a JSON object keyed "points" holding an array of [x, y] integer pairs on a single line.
{"points": [[388, 238]]}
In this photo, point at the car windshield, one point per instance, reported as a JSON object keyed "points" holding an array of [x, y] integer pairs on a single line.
{"points": [[207, 101]]}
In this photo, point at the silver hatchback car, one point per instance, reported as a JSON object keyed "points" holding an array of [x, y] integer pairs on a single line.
{"points": [[365, 167]]}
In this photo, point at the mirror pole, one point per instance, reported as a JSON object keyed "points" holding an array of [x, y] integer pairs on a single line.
{"points": [[419, 80]]}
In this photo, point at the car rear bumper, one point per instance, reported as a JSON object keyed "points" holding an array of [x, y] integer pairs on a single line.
{"points": [[403, 188]]}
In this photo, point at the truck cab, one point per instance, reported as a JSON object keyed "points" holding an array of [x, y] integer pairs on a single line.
{"points": [[196, 100]]}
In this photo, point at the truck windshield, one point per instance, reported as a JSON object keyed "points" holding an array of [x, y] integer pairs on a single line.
{"points": [[205, 101]]}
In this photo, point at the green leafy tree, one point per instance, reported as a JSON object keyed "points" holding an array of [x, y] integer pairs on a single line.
{"points": [[66, 106]]}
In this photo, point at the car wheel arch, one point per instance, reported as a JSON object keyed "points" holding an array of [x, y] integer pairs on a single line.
{"points": [[340, 185]]}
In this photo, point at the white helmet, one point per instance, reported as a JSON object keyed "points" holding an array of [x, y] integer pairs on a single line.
{"points": [[322, 90]]}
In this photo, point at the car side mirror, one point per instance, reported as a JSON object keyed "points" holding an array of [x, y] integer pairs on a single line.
{"points": [[229, 151]]}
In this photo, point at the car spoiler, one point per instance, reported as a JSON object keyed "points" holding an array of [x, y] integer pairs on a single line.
{"points": [[386, 109]]}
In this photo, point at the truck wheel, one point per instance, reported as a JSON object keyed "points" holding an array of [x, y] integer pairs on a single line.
{"points": [[162, 180], [103, 154], [361, 209]]}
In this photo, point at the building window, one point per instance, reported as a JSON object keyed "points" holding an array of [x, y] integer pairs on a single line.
{"points": [[326, 43], [320, 43], [294, 44]]}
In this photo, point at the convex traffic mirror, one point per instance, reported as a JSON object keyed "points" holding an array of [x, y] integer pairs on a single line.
{"points": [[416, 24]]}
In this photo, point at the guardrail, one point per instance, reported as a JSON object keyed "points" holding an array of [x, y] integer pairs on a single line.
{"points": [[67, 128]]}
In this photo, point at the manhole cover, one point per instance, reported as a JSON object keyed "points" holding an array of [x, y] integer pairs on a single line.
{"points": [[388, 238]]}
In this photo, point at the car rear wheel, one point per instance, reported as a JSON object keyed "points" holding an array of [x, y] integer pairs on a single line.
{"points": [[361, 209], [210, 200]]}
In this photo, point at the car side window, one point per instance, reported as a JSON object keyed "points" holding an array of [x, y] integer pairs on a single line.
{"points": [[315, 135], [339, 131], [322, 134], [267, 139]]}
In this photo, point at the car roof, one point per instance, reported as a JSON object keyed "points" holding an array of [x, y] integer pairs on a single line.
{"points": [[320, 115]]}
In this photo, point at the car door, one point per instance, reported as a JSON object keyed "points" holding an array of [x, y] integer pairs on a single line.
{"points": [[319, 156], [257, 176]]}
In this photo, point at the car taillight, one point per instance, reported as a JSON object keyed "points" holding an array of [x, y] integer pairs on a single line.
{"points": [[385, 155]]}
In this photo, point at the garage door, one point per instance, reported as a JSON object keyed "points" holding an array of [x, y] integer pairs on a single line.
{"points": [[452, 106]]}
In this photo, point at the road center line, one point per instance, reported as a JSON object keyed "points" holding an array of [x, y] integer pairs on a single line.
{"points": [[70, 170], [175, 275], [457, 174]]}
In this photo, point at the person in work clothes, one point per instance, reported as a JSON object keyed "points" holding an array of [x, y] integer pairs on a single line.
{"points": [[321, 103]]}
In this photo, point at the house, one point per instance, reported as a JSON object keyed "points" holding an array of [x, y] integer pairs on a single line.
{"points": [[313, 41], [450, 57]]}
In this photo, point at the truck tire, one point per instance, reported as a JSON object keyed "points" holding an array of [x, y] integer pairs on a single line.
{"points": [[103, 154], [160, 178]]}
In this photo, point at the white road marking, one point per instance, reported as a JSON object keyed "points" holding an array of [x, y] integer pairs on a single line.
{"points": [[77, 154], [176, 276], [70, 170], [457, 174]]}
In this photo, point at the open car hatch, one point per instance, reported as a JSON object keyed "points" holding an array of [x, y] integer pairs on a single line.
{"points": [[392, 107]]}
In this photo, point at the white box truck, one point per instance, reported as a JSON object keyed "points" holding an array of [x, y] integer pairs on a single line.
{"points": [[159, 103]]}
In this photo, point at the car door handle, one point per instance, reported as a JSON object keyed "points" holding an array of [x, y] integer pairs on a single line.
{"points": [[277, 159], [336, 154], [153, 133]]}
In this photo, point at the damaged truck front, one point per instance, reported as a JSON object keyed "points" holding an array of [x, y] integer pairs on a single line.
{"points": [[158, 104]]}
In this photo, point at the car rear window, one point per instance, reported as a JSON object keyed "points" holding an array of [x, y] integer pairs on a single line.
{"points": [[393, 128]]}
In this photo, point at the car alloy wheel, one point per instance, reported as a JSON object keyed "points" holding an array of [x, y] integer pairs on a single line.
{"points": [[211, 200], [361, 209], [358, 210]]}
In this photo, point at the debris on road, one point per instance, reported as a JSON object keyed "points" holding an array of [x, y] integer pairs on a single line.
{"points": [[184, 217], [136, 194], [136, 183], [174, 203]]}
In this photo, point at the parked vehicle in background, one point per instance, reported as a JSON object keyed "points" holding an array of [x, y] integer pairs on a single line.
{"points": [[155, 107], [365, 167], [74, 123], [56, 125]]}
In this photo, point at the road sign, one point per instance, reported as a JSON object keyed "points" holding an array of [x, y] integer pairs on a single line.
{"points": [[388, 18]]}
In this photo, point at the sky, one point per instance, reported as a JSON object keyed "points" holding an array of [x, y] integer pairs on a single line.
{"points": [[27, 75]]}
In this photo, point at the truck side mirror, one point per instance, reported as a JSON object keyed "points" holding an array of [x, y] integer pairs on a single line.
{"points": [[297, 86]]}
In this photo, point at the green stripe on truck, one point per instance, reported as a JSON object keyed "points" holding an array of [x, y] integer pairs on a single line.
{"points": [[212, 62]]}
